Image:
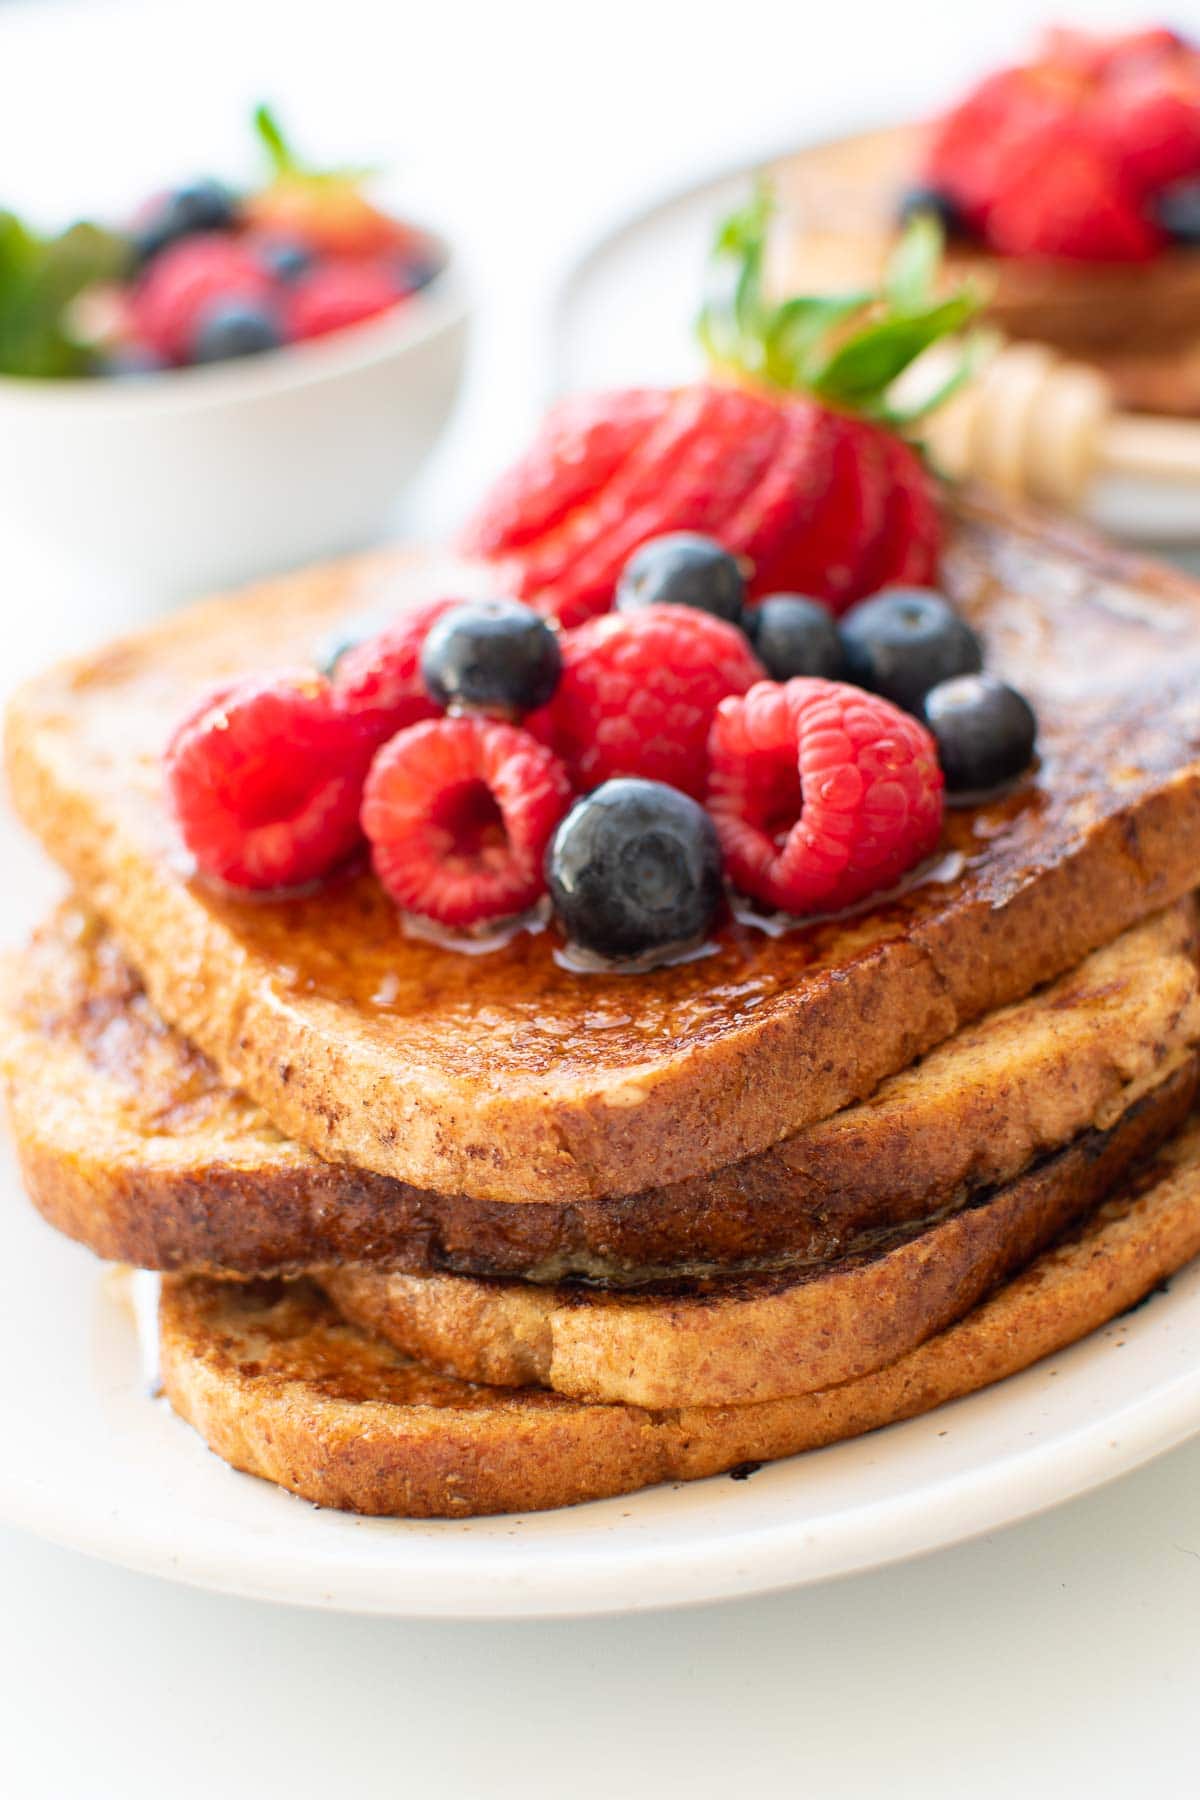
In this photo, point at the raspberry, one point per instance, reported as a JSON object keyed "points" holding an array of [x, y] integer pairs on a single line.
{"points": [[638, 692], [184, 280], [264, 779], [336, 294], [378, 682], [459, 813], [821, 794]]}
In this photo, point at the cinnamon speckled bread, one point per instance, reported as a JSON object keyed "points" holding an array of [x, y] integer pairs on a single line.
{"points": [[508, 1078], [130, 1142], [760, 1337], [280, 1386]]}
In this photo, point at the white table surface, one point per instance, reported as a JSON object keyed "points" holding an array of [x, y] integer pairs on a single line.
{"points": [[1060, 1657]]}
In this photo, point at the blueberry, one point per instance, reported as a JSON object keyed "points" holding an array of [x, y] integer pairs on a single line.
{"points": [[204, 205], [1177, 210], [904, 641], [683, 569], [285, 258], [795, 636], [493, 654], [984, 730], [635, 866], [415, 270], [130, 361], [932, 202], [234, 327]]}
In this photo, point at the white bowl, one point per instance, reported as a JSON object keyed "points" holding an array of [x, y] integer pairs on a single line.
{"points": [[198, 477]]}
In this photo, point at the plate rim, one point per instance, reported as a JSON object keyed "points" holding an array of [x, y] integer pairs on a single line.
{"points": [[1015, 1487]]}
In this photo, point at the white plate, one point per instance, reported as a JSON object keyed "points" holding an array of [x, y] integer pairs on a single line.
{"points": [[625, 310], [92, 1462]]}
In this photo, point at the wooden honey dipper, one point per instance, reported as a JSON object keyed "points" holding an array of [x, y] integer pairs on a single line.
{"points": [[1033, 423]]}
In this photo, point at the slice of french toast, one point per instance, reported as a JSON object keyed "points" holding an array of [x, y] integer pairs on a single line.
{"points": [[511, 1078], [758, 1337], [1139, 322], [130, 1142], [280, 1386]]}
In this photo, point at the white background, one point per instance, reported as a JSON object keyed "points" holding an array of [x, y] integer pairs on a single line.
{"points": [[1061, 1657]]}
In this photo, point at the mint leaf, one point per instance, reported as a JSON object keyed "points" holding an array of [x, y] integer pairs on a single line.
{"points": [[286, 165], [859, 374], [845, 348], [280, 154], [39, 278], [799, 328], [909, 278]]}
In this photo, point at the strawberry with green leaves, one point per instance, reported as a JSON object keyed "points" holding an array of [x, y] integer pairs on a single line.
{"points": [[327, 209], [787, 456]]}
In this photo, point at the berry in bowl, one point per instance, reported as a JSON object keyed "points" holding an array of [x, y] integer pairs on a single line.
{"points": [[232, 382]]}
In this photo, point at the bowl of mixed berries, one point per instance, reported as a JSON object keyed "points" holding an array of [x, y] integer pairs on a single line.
{"points": [[234, 380]]}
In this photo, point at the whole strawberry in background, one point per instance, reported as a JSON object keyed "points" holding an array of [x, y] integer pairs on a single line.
{"points": [[788, 456], [1079, 153]]}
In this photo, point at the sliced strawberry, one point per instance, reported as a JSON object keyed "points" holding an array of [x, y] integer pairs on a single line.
{"points": [[909, 546], [696, 490], [580, 446], [671, 481], [798, 491], [553, 553], [459, 813], [781, 507], [827, 558], [879, 468], [1062, 195]]}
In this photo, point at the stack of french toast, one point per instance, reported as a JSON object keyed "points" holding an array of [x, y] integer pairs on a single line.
{"points": [[447, 1233]]}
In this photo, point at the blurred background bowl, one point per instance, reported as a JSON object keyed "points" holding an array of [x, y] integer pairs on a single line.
{"points": [[199, 477]]}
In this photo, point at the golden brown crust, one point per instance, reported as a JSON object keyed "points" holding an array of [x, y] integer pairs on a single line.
{"points": [[281, 1388], [506, 1077], [130, 1143], [761, 1337], [1140, 322]]}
